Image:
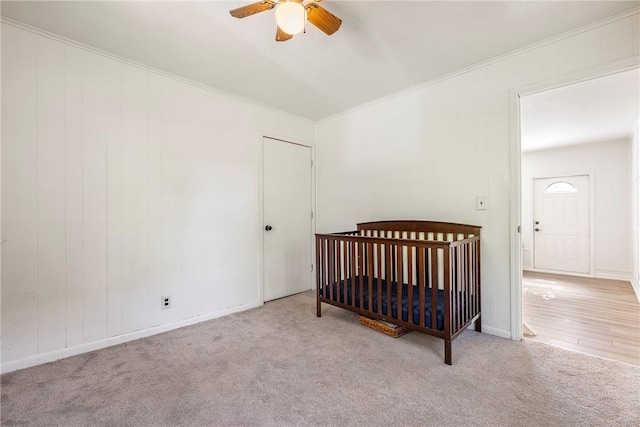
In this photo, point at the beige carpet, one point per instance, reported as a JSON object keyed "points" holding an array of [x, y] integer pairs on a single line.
{"points": [[280, 365]]}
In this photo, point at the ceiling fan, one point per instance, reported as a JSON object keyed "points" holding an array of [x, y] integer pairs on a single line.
{"points": [[291, 16]]}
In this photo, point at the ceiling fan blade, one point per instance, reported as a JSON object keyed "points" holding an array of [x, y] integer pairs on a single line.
{"points": [[252, 9], [323, 19], [281, 36]]}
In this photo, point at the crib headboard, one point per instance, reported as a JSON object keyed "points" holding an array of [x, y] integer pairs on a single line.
{"points": [[422, 227]]}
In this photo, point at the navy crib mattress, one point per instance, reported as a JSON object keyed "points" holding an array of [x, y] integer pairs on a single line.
{"points": [[363, 302]]}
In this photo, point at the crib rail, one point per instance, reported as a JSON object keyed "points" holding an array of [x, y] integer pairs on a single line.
{"points": [[363, 271]]}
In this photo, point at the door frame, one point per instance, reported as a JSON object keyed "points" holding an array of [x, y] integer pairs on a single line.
{"points": [[515, 170], [591, 272], [287, 140]]}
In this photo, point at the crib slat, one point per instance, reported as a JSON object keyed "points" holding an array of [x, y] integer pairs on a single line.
{"points": [[336, 274], [478, 278], [345, 271], [421, 282], [472, 292], [476, 282], [325, 267], [463, 280], [361, 273], [331, 244], [410, 286], [370, 274], [399, 281], [352, 274], [344, 254], [458, 306], [447, 307], [379, 276], [452, 292], [353, 271], [467, 282], [338, 270], [434, 288], [456, 285], [475, 278], [467, 277], [388, 269], [345, 266]]}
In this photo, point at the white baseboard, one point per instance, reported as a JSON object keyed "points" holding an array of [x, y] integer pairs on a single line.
{"points": [[502, 333], [613, 274], [599, 274], [559, 272], [119, 339], [636, 287]]}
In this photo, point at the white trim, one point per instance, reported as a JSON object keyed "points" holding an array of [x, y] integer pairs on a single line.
{"points": [[636, 288], [288, 140], [119, 339], [515, 169], [157, 71], [515, 217], [490, 330], [560, 272], [479, 65], [599, 274], [604, 273], [560, 37]]}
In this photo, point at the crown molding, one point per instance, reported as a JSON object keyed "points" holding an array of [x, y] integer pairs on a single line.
{"points": [[157, 71], [546, 42]]}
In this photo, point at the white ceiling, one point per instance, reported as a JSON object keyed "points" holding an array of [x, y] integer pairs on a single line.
{"points": [[597, 110], [381, 48]]}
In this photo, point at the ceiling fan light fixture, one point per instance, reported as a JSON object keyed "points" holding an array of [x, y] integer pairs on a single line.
{"points": [[291, 17]]}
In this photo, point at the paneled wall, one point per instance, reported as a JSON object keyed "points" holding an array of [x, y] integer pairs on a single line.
{"points": [[428, 153], [119, 186], [608, 163]]}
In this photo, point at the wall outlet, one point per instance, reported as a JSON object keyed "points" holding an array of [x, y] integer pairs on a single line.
{"points": [[481, 203], [166, 302]]}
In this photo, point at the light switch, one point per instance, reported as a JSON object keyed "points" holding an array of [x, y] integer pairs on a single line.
{"points": [[481, 203]]}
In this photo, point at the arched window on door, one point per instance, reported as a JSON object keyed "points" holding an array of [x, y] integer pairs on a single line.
{"points": [[561, 187]]}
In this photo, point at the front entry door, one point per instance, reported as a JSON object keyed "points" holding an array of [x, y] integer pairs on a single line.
{"points": [[287, 219], [562, 224]]}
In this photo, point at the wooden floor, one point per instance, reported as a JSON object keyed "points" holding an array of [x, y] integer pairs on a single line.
{"points": [[595, 316]]}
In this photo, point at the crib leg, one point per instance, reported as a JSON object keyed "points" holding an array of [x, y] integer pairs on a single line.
{"points": [[447, 352], [477, 325], [318, 308]]}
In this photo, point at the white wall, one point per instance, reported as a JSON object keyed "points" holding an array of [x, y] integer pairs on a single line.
{"points": [[608, 162], [634, 190], [429, 152], [121, 185]]}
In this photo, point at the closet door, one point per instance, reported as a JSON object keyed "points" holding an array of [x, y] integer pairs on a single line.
{"points": [[287, 219]]}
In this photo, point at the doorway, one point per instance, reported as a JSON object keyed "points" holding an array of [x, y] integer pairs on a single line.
{"points": [[561, 227], [287, 228], [576, 225]]}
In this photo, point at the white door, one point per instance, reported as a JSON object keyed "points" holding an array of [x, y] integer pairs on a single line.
{"points": [[561, 224], [287, 219]]}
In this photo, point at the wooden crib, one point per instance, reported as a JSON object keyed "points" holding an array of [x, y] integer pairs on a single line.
{"points": [[422, 275]]}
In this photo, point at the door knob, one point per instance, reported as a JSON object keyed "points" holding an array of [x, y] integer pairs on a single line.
{"points": [[537, 229], [268, 228]]}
